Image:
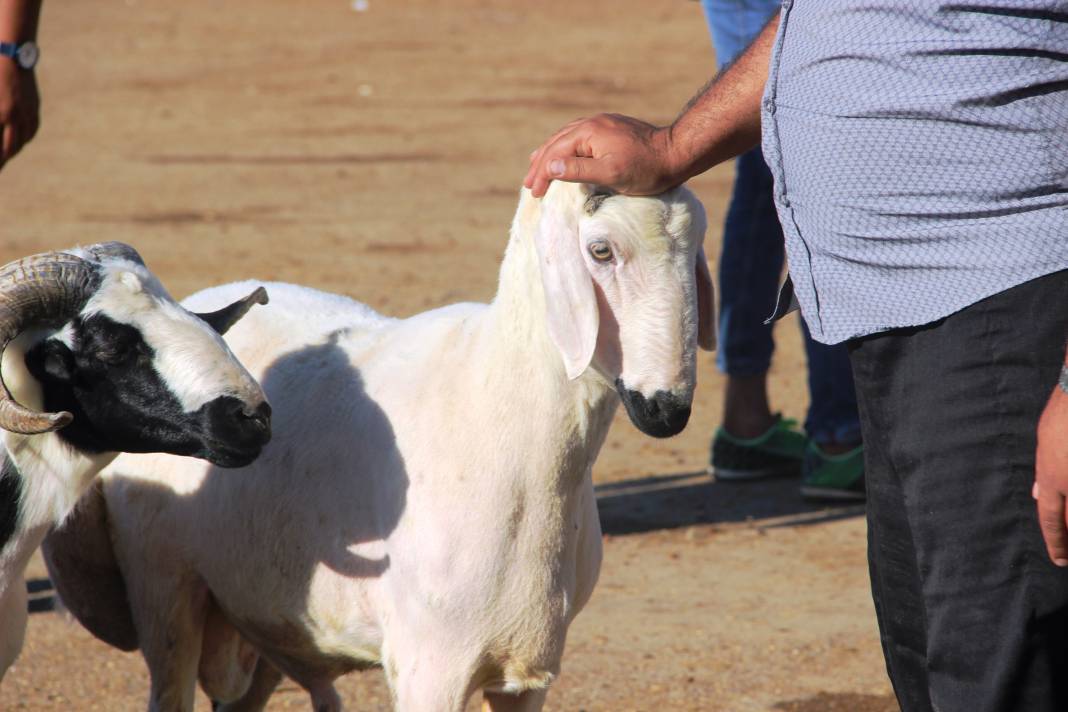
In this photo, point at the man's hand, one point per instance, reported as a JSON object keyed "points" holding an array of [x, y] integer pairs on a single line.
{"points": [[637, 158], [618, 152], [19, 107], [1051, 476]]}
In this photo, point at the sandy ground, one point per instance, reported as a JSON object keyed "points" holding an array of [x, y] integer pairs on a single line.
{"points": [[378, 153]]}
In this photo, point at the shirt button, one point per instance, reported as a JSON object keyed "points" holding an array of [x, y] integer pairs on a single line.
{"points": [[786, 4], [769, 106]]}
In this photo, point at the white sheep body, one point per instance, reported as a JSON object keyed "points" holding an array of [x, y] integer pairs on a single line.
{"points": [[460, 512], [426, 502]]}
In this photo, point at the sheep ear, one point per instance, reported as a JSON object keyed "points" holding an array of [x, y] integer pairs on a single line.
{"points": [[226, 317], [570, 304], [706, 303]]}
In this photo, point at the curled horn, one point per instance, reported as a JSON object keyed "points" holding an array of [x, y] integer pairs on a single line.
{"points": [[43, 289], [226, 317]]}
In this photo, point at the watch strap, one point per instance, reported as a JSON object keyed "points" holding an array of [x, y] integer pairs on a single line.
{"points": [[9, 49]]}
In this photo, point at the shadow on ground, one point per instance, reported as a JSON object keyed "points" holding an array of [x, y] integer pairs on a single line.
{"points": [[682, 500], [840, 702]]}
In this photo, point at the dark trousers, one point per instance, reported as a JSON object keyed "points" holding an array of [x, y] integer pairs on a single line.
{"points": [[973, 616]]}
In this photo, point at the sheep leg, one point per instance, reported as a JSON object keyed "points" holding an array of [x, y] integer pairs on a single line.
{"points": [[264, 680], [227, 660], [434, 689], [529, 701], [12, 622], [324, 698], [170, 623], [423, 697]]}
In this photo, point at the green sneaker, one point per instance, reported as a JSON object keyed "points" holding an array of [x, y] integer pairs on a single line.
{"points": [[838, 477], [776, 453]]}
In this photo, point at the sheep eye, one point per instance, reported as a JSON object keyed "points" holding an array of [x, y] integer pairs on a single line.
{"points": [[601, 251], [115, 355], [115, 351]]}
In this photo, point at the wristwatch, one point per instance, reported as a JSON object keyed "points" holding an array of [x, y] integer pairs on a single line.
{"points": [[25, 54]]}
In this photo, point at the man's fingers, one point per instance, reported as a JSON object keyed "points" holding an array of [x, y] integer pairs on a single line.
{"points": [[1051, 520], [25, 128], [579, 170], [576, 169], [9, 143], [28, 127], [559, 162], [537, 157], [567, 145], [537, 164], [563, 130], [539, 184]]}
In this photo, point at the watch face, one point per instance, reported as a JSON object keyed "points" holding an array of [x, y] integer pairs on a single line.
{"points": [[28, 54]]}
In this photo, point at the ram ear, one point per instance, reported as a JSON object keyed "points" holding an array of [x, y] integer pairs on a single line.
{"points": [[51, 361], [570, 303], [706, 303], [226, 317]]}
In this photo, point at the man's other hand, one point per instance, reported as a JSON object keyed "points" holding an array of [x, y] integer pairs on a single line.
{"points": [[1051, 476], [19, 106], [618, 152]]}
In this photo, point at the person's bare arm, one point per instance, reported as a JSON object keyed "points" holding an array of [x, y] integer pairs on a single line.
{"points": [[19, 100], [637, 158], [1051, 473]]}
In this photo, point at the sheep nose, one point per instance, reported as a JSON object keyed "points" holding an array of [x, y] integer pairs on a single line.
{"points": [[259, 417], [663, 415]]}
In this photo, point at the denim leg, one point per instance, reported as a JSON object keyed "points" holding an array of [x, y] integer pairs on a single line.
{"points": [[749, 270], [752, 258], [735, 23], [832, 411]]}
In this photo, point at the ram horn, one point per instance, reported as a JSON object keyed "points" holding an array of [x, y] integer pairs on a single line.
{"points": [[45, 289]]}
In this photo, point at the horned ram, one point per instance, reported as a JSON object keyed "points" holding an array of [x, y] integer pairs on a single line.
{"points": [[97, 359]]}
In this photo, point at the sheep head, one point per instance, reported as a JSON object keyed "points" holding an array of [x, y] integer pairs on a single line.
{"points": [[629, 294], [108, 356]]}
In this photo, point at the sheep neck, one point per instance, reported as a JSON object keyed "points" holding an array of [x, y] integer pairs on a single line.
{"points": [[576, 413], [49, 476], [54, 475]]}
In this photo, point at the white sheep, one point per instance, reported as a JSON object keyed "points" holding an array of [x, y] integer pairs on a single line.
{"points": [[91, 334], [426, 504]]}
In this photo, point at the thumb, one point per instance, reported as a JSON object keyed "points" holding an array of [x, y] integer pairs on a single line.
{"points": [[1052, 522], [8, 142], [579, 170]]}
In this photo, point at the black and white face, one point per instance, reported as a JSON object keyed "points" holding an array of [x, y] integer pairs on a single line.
{"points": [[141, 374]]}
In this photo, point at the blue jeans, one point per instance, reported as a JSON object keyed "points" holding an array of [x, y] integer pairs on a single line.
{"points": [[735, 23], [751, 262]]}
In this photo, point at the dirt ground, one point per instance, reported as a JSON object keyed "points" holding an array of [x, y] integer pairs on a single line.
{"points": [[376, 149]]}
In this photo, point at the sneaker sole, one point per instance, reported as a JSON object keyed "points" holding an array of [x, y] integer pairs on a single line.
{"points": [[837, 495], [725, 474]]}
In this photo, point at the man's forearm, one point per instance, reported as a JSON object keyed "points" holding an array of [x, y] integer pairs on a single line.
{"points": [[18, 20], [723, 119]]}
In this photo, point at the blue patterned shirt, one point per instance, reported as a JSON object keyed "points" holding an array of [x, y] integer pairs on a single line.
{"points": [[920, 155]]}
